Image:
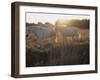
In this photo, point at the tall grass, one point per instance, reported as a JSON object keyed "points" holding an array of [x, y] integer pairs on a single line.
{"points": [[65, 52]]}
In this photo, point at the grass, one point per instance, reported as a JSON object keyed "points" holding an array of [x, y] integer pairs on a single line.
{"points": [[72, 52]]}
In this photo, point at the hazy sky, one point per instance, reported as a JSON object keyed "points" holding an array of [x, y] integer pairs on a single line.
{"points": [[41, 17]]}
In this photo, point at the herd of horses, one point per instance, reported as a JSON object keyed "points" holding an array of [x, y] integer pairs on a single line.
{"points": [[66, 53], [49, 32]]}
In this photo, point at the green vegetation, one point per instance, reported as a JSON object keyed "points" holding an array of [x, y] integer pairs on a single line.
{"points": [[60, 55], [66, 51]]}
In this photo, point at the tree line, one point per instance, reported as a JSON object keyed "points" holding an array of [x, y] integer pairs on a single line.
{"points": [[82, 24]]}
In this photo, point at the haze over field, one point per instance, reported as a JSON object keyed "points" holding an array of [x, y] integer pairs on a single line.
{"points": [[51, 18], [53, 39]]}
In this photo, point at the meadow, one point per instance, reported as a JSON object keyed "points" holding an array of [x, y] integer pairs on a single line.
{"points": [[64, 51]]}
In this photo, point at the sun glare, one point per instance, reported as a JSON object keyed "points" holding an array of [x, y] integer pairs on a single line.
{"points": [[61, 23]]}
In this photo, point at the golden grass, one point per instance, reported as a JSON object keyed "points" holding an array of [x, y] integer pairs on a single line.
{"points": [[59, 39]]}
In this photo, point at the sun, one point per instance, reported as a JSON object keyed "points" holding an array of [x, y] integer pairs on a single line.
{"points": [[61, 23]]}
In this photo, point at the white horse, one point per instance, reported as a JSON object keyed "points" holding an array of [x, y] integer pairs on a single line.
{"points": [[70, 33], [42, 33]]}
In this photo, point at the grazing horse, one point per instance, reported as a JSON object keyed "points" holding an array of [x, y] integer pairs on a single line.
{"points": [[42, 33], [71, 33]]}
